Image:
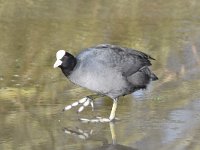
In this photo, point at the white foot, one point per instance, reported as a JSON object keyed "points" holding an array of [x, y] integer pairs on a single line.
{"points": [[97, 120], [84, 102]]}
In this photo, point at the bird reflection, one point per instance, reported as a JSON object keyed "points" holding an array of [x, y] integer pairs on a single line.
{"points": [[78, 133], [88, 135]]}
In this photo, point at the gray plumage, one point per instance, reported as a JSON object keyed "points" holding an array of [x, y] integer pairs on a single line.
{"points": [[110, 70]]}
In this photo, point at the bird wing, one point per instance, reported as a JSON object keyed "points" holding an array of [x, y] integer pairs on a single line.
{"points": [[127, 61]]}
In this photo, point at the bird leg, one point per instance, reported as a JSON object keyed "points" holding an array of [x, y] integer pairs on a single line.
{"points": [[114, 107], [103, 120], [84, 102]]}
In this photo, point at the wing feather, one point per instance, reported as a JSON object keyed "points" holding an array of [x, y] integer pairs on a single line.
{"points": [[126, 60]]}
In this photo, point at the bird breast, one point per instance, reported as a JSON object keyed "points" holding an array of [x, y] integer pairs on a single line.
{"points": [[99, 78]]}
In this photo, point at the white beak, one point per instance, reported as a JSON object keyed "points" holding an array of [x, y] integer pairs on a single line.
{"points": [[57, 63]]}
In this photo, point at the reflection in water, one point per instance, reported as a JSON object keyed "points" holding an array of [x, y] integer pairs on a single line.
{"points": [[115, 147], [166, 116], [85, 135], [78, 133], [178, 127]]}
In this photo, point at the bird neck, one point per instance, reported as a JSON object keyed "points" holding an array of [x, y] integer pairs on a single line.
{"points": [[69, 65]]}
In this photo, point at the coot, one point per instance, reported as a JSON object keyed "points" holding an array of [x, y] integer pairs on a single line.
{"points": [[108, 70]]}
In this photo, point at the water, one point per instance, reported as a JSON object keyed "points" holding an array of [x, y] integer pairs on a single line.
{"points": [[32, 93]]}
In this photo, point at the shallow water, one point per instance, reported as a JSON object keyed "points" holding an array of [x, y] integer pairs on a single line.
{"points": [[166, 116]]}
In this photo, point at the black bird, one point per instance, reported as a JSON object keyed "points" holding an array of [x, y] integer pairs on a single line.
{"points": [[108, 70]]}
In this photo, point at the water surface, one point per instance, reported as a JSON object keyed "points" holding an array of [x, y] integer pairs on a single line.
{"points": [[166, 116]]}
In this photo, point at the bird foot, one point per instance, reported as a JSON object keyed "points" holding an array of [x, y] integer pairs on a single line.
{"points": [[84, 102], [98, 120]]}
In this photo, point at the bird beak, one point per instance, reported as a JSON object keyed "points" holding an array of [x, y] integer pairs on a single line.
{"points": [[57, 63]]}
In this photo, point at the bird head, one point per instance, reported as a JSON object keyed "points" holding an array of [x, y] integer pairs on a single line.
{"points": [[65, 61]]}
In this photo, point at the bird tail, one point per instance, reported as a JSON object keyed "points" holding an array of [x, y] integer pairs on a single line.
{"points": [[148, 72], [153, 77]]}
